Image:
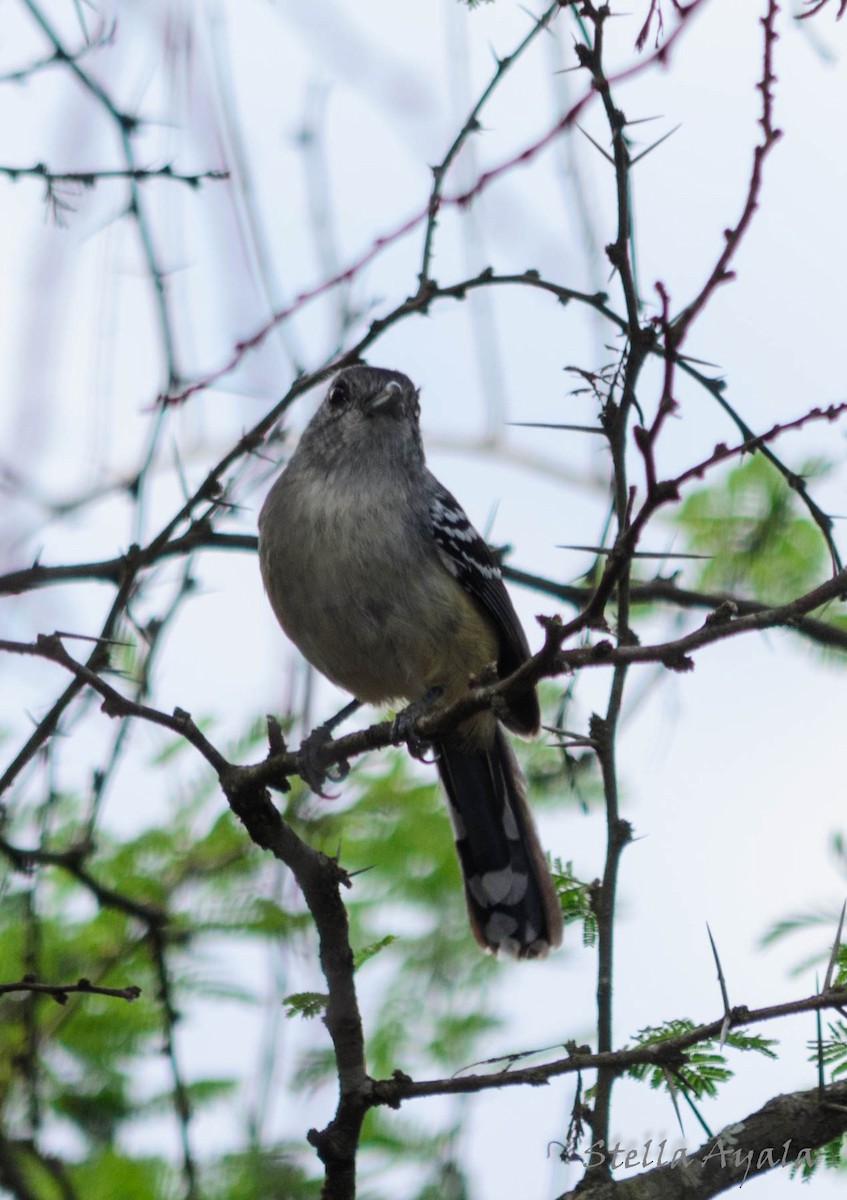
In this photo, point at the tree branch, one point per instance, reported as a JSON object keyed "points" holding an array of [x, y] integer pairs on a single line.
{"points": [[669, 1052], [787, 1129], [61, 991]]}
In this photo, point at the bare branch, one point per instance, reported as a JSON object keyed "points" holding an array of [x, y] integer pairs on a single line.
{"points": [[61, 991], [89, 179], [470, 126], [814, 6], [734, 236]]}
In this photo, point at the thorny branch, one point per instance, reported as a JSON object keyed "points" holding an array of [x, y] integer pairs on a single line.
{"points": [[815, 6], [90, 178], [419, 302], [319, 877], [59, 57], [614, 419], [126, 125], [677, 330], [192, 527], [669, 1052], [471, 125], [549, 662]]}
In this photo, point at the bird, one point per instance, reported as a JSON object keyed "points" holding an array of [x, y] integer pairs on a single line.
{"points": [[376, 574]]}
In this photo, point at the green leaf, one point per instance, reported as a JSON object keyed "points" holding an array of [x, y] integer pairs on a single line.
{"points": [[260, 1173], [305, 1004], [703, 1065], [760, 541], [201, 1093], [833, 1050], [366, 952], [832, 1155], [110, 1174], [575, 897]]}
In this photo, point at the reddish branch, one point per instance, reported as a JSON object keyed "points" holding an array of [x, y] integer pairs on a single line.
{"points": [[126, 125], [419, 302], [655, 11], [550, 661], [470, 126], [815, 6], [721, 273], [319, 877]]}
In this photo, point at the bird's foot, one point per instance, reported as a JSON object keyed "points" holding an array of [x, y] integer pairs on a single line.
{"points": [[312, 760], [403, 728]]}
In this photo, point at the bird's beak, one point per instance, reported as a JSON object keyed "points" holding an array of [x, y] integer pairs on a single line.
{"points": [[388, 401]]}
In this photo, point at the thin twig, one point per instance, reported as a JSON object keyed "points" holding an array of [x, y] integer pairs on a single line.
{"points": [[61, 991]]}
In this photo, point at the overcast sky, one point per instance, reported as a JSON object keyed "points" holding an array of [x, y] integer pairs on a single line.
{"points": [[732, 775]]}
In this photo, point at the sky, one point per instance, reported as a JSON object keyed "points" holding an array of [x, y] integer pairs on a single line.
{"points": [[731, 775]]}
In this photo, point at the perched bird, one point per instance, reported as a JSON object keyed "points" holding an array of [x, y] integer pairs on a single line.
{"points": [[375, 572]]}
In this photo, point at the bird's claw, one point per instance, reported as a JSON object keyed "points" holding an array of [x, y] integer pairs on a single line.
{"points": [[403, 727], [314, 769]]}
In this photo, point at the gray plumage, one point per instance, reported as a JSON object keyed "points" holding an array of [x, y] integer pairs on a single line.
{"points": [[375, 572]]}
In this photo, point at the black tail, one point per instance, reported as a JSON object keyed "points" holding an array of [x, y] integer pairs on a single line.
{"points": [[512, 903]]}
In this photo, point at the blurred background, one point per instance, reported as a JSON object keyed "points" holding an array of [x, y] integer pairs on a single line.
{"points": [[324, 122]]}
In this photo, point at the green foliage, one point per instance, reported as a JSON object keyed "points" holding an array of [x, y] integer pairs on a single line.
{"points": [[81, 1066], [760, 542], [751, 1041], [406, 901], [703, 1066], [210, 886], [305, 1004], [827, 919], [798, 923], [832, 1155], [553, 770], [390, 1138], [109, 1173], [393, 835], [832, 1050], [575, 898], [362, 956], [260, 1173]]}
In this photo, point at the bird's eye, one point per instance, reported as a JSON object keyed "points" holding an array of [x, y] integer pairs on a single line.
{"points": [[338, 394]]}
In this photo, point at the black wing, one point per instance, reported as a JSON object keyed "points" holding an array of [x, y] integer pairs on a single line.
{"points": [[469, 560]]}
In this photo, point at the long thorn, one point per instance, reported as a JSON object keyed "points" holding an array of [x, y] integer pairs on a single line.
{"points": [[722, 982], [555, 425], [634, 553], [672, 1090], [649, 149], [596, 145], [818, 1024], [833, 958]]}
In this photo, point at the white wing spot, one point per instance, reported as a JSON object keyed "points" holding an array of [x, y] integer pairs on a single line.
{"points": [[474, 886], [497, 884], [510, 825], [500, 928], [505, 886]]}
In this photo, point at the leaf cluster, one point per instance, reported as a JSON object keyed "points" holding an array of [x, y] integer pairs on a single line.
{"points": [[704, 1066]]}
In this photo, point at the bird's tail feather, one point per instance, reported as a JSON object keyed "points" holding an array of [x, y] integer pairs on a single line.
{"points": [[512, 903]]}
